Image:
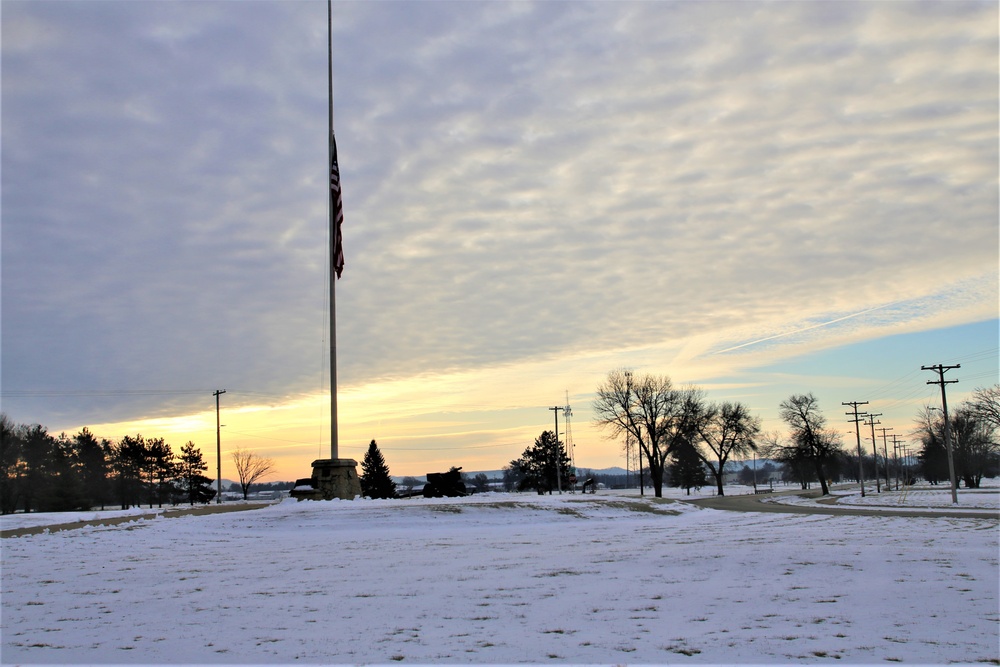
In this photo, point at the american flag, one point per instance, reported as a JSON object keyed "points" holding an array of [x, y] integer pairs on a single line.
{"points": [[336, 208]]}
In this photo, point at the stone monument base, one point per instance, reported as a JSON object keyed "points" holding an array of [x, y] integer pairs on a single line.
{"points": [[331, 478]]}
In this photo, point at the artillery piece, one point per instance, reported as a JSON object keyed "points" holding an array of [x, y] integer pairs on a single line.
{"points": [[445, 484]]}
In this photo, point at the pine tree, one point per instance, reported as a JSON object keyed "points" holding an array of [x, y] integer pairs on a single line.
{"points": [[375, 479], [687, 470], [93, 457], [195, 486], [128, 457], [538, 465], [160, 469]]}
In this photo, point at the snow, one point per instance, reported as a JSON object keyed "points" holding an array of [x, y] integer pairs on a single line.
{"points": [[500, 578], [971, 501], [11, 521]]}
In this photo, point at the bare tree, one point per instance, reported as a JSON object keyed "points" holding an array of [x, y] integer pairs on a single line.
{"points": [[976, 451], [985, 405], [251, 467], [649, 409], [809, 435], [725, 430], [409, 483]]}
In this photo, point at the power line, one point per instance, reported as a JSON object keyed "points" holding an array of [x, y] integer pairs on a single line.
{"points": [[55, 393]]}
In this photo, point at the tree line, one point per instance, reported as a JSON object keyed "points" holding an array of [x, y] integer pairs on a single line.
{"points": [[682, 437], [681, 434], [974, 427], [674, 425], [40, 472]]}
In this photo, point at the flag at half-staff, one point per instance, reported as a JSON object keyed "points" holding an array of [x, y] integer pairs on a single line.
{"points": [[336, 209]]}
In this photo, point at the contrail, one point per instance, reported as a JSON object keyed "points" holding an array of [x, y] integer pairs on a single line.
{"points": [[798, 331]]}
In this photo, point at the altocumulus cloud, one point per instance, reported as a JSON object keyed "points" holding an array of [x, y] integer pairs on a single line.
{"points": [[521, 182]]}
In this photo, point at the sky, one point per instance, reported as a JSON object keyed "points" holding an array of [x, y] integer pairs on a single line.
{"points": [[758, 199]]}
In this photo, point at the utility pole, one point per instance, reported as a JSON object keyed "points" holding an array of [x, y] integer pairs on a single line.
{"points": [[858, 418], [897, 447], [218, 448], [555, 413], [895, 458], [885, 456], [940, 370], [872, 422], [631, 423], [628, 459]]}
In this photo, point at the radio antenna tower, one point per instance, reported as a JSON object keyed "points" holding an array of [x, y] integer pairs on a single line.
{"points": [[568, 413]]}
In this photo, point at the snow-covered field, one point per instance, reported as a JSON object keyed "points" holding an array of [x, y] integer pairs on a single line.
{"points": [[505, 579]]}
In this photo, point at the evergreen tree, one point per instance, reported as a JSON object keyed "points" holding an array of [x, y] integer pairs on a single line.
{"points": [[160, 470], [11, 465], [127, 463], [686, 469], [196, 487], [375, 479], [538, 465], [92, 455], [39, 457], [513, 476], [63, 491]]}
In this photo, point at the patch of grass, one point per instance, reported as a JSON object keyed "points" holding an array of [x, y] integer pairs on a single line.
{"points": [[505, 505], [652, 506], [569, 511]]}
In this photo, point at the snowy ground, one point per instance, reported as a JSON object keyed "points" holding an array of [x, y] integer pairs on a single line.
{"points": [[919, 498], [506, 579], [10, 521]]}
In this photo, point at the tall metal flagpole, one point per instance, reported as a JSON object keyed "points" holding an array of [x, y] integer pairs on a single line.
{"points": [[334, 445], [333, 477]]}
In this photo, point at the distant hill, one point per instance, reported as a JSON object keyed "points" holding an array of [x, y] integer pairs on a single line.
{"points": [[498, 474]]}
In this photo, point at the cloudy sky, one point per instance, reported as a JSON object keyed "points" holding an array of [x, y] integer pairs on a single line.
{"points": [[757, 198]]}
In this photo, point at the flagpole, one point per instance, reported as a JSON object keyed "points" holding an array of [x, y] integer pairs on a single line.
{"points": [[334, 445], [333, 477]]}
